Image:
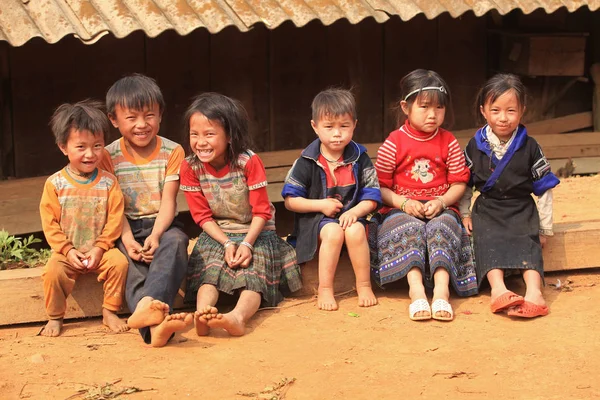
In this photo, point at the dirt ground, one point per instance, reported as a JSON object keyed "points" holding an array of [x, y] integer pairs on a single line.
{"points": [[353, 353]]}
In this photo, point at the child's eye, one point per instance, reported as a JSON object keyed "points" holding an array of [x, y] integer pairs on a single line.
{"points": [[193, 134]]}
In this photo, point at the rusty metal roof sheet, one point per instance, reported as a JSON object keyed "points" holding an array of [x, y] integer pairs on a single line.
{"points": [[89, 20]]}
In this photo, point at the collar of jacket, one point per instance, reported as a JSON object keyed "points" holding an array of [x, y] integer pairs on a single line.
{"points": [[351, 153]]}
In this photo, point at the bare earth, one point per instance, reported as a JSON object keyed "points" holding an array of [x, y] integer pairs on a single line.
{"points": [[354, 353]]}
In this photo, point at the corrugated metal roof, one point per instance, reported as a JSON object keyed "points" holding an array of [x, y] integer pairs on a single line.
{"points": [[89, 20]]}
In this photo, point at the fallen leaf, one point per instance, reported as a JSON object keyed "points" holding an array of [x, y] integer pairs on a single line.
{"points": [[352, 314]]}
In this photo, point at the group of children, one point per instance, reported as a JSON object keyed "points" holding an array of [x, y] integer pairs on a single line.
{"points": [[111, 211]]}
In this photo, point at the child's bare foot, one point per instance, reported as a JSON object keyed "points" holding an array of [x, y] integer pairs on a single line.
{"points": [[148, 313], [171, 324], [52, 328], [113, 322], [366, 297], [231, 322], [326, 300], [201, 318]]}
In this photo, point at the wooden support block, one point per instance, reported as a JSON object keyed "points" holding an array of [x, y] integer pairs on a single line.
{"points": [[22, 299], [573, 246]]}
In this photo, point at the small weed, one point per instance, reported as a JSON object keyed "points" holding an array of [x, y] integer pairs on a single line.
{"points": [[16, 250]]}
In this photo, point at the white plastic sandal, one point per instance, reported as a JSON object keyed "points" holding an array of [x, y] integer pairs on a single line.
{"points": [[441, 305], [417, 306]]}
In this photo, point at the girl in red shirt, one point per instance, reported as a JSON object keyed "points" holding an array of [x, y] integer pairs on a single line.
{"points": [[422, 173], [225, 185]]}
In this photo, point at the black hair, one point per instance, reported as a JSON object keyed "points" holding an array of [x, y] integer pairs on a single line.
{"points": [[135, 91], [87, 115], [411, 90], [230, 114], [499, 84], [333, 102]]}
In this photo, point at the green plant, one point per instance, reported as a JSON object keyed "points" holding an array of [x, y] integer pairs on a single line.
{"points": [[14, 249]]}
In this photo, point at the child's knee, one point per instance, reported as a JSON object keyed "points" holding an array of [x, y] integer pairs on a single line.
{"points": [[54, 270], [355, 233], [332, 233]]}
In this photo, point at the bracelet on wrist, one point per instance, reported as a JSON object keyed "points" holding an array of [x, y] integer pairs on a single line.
{"points": [[465, 215], [228, 243], [248, 245], [441, 199], [403, 205]]}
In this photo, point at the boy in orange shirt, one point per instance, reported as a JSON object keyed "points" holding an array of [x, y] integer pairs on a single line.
{"points": [[147, 167], [82, 214]]}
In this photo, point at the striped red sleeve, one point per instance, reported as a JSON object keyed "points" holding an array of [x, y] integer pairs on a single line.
{"points": [[256, 177], [386, 163], [457, 166], [197, 203]]}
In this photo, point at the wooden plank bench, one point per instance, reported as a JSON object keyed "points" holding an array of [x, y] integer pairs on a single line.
{"points": [[22, 298]]}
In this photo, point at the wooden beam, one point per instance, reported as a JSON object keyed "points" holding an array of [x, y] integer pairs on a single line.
{"points": [[573, 246], [582, 166], [22, 299]]}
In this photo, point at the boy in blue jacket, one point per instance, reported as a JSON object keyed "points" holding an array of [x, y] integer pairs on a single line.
{"points": [[331, 188]]}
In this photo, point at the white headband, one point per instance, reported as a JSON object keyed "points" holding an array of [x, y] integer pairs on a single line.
{"points": [[440, 88]]}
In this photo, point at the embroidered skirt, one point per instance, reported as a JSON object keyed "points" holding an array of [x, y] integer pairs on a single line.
{"points": [[506, 235], [273, 268], [403, 242]]}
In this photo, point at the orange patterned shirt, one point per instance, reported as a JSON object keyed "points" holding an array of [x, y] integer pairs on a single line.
{"points": [[81, 215], [142, 179]]}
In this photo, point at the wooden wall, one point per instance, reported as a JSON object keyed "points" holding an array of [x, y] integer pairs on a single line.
{"points": [[275, 73]]}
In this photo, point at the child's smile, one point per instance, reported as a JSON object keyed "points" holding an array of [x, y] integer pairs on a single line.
{"points": [[84, 150], [208, 141], [138, 127]]}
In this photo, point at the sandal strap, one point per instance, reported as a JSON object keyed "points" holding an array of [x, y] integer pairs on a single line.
{"points": [[441, 305], [418, 306]]}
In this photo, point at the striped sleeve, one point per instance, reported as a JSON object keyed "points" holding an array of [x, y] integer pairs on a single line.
{"points": [[197, 203], [174, 164], [456, 164], [256, 178], [386, 163]]}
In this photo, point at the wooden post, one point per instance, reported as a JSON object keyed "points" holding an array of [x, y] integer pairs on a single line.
{"points": [[595, 73]]}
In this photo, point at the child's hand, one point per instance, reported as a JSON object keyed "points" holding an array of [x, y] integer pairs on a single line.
{"points": [[134, 250], [543, 240], [76, 258], [432, 208], [243, 256], [230, 252], [94, 256], [150, 246], [331, 207], [468, 224], [414, 208], [347, 219]]}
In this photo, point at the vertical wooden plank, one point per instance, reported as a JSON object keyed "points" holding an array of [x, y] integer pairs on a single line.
{"points": [[461, 62], [180, 65], [407, 46], [239, 68], [45, 75], [6, 136], [354, 60], [296, 76]]}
